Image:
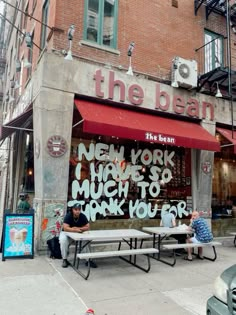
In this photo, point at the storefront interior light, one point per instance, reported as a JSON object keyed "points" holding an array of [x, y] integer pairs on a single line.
{"points": [[30, 172]]}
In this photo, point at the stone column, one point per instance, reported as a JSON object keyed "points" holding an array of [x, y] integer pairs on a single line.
{"points": [[55, 83], [52, 118], [202, 170]]}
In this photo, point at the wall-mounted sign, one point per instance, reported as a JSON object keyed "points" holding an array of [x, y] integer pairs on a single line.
{"points": [[18, 236], [56, 146], [206, 167], [160, 97]]}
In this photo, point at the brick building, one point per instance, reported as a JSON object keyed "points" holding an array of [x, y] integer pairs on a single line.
{"points": [[124, 134]]}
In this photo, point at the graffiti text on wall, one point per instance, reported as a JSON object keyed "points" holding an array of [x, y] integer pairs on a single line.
{"points": [[110, 179]]}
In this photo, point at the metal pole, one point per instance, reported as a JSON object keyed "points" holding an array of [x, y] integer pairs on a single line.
{"points": [[27, 14], [229, 65]]}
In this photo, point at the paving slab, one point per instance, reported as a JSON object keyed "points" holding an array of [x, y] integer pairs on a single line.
{"points": [[34, 287], [41, 286]]}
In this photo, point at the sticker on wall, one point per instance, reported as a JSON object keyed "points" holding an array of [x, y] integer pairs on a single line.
{"points": [[206, 167], [37, 148], [56, 146]]}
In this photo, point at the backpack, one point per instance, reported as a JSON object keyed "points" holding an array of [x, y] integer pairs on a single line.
{"points": [[54, 248]]}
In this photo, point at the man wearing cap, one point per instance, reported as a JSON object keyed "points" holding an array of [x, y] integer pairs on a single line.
{"points": [[77, 222]]}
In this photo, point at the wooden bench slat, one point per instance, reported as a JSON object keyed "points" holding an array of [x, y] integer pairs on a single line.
{"points": [[232, 233], [191, 245], [127, 252]]}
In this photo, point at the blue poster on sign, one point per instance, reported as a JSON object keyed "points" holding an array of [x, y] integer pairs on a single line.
{"points": [[18, 236]]}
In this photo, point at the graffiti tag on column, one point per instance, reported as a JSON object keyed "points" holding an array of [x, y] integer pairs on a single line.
{"points": [[110, 179]]}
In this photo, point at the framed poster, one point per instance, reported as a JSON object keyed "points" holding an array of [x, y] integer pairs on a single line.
{"points": [[18, 235]]}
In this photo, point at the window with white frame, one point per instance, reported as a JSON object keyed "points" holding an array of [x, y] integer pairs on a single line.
{"points": [[100, 22], [213, 51]]}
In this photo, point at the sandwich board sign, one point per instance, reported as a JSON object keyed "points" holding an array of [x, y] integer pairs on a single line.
{"points": [[18, 235]]}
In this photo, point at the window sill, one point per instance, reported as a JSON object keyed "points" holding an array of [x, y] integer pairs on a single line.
{"points": [[104, 48]]}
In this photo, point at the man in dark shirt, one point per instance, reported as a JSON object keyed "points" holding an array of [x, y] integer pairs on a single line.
{"points": [[76, 222]]}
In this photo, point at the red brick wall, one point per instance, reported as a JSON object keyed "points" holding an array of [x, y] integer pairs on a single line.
{"points": [[160, 32]]}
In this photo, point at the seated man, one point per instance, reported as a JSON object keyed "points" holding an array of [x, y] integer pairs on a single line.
{"points": [[77, 222], [202, 234], [168, 220]]}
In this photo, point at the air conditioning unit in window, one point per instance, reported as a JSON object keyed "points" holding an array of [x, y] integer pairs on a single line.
{"points": [[184, 73]]}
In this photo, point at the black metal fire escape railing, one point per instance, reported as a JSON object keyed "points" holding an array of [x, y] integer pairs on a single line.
{"points": [[221, 75], [222, 71], [217, 6]]}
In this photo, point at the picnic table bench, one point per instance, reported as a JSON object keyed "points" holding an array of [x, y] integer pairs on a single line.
{"points": [[160, 234], [234, 234], [173, 247], [116, 253]]}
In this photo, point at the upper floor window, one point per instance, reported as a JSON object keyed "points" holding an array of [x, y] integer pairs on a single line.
{"points": [[26, 17], [213, 51], [33, 6], [45, 21], [100, 22]]}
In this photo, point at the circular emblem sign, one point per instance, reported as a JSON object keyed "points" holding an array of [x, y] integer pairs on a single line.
{"points": [[56, 146], [206, 167]]}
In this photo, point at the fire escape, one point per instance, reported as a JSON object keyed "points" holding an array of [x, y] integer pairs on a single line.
{"points": [[222, 74]]}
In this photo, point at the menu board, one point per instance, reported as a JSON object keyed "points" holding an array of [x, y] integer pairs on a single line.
{"points": [[18, 236]]}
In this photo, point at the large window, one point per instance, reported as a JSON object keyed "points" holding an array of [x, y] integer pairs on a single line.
{"points": [[129, 180], [100, 23], [213, 51]]}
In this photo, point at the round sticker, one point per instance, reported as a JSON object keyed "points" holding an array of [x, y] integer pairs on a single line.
{"points": [[56, 146]]}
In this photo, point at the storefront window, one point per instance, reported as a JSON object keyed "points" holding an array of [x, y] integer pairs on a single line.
{"points": [[27, 182], [224, 185], [132, 180]]}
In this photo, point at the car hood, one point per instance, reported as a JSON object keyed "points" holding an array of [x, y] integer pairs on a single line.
{"points": [[229, 276]]}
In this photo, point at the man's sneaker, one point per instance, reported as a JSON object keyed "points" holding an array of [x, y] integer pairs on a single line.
{"points": [[65, 263], [92, 264]]}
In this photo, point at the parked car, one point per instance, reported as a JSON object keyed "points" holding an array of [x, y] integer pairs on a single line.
{"points": [[223, 301]]}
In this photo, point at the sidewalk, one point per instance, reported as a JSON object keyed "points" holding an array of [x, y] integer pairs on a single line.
{"points": [[40, 286]]}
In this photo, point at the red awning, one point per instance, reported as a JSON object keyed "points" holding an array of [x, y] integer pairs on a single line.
{"points": [[124, 123], [16, 124], [229, 135]]}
